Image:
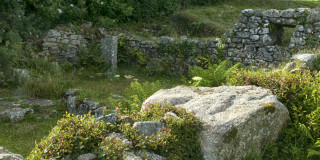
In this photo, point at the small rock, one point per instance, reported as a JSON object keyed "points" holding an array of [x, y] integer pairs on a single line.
{"points": [[21, 74], [290, 66], [308, 59], [87, 156], [165, 40], [6, 155], [129, 155], [126, 119], [148, 128], [38, 102], [71, 92], [123, 138], [149, 155], [54, 112], [16, 114], [110, 118], [170, 115]]}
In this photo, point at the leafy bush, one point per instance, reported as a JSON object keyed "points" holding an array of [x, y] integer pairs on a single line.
{"points": [[91, 57], [73, 135], [214, 76], [178, 141], [135, 95], [300, 94]]}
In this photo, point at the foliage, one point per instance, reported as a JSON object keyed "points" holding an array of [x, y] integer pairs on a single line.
{"points": [[135, 95], [215, 75], [91, 57], [73, 135], [178, 141], [130, 57], [112, 148], [173, 57], [300, 94]]}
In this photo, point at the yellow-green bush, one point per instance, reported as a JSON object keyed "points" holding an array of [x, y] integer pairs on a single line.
{"points": [[300, 93], [73, 135]]}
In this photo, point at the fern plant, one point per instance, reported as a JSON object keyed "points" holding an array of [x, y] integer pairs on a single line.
{"points": [[215, 75]]}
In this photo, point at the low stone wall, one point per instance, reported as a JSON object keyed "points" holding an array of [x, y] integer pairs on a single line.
{"points": [[257, 38], [64, 45]]}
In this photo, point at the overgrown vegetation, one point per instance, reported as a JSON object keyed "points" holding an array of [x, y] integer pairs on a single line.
{"points": [[215, 75], [24, 24], [299, 93], [74, 135]]}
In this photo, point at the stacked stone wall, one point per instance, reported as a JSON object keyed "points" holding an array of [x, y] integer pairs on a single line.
{"points": [[257, 38], [63, 45]]}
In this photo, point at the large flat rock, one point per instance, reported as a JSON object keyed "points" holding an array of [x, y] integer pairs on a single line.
{"points": [[235, 119]]}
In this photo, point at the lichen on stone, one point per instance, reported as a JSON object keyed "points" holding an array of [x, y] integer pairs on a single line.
{"points": [[269, 107]]}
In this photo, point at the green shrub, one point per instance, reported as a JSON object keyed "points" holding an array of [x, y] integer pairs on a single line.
{"points": [[300, 94], [178, 141], [73, 135], [135, 95], [215, 75], [91, 57]]}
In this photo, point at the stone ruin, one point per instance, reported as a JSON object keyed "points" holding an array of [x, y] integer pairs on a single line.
{"points": [[257, 38], [64, 45]]}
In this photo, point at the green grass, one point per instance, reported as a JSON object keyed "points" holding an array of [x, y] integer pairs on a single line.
{"points": [[224, 16], [20, 137], [99, 89]]}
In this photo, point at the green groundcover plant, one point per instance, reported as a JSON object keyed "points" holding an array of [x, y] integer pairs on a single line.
{"points": [[75, 135]]}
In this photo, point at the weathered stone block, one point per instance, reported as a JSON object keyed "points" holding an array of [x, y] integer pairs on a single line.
{"points": [[248, 12], [288, 13], [109, 47]]}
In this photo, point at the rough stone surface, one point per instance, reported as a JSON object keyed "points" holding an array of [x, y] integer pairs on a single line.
{"points": [[87, 156], [21, 74], [15, 114], [39, 102], [149, 155], [170, 115], [109, 47], [123, 138], [266, 30], [130, 155], [110, 118], [148, 128], [63, 44], [234, 118], [80, 107], [307, 60], [6, 155]]}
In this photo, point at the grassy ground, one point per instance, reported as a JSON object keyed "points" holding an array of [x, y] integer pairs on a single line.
{"points": [[20, 137], [211, 21], [197, 22]]}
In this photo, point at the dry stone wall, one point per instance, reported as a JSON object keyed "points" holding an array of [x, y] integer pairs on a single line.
{"points": [[64, 45], [257, 38]]}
